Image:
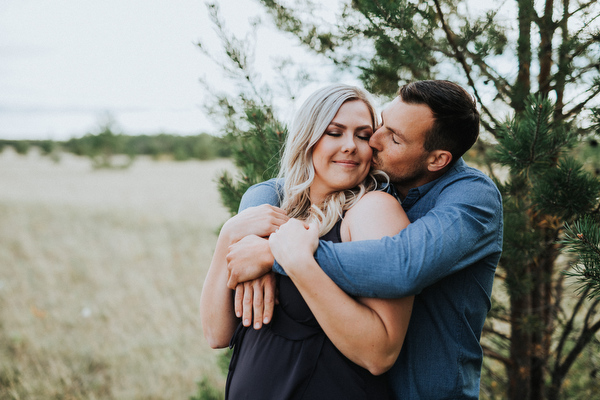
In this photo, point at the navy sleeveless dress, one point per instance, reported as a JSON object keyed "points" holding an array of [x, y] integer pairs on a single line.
{"points": [[292, 359]]}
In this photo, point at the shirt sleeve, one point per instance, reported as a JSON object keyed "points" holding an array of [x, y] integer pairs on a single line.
{"points": [[262, 193], [463, 227]]}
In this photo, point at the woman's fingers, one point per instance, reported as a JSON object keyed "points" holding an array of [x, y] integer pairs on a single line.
{"points": [[254, 301], [258, 303], [270, 289], [238, 300], [247, 304]]}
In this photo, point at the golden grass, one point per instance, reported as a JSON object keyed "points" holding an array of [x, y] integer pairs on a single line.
{"points": [[100, 277]]}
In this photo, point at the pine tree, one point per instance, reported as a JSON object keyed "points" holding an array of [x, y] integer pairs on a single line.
{"points": [[249, 124], [540, 324], [547, 188]]}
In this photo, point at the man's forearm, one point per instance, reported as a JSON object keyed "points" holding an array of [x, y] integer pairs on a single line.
{"points": [[429, 249]]}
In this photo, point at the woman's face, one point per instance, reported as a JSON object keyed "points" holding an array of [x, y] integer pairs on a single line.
{"points": [[342, 156]]}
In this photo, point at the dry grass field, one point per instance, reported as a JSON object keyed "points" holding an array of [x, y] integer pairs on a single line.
{"points": [[100, 277]]}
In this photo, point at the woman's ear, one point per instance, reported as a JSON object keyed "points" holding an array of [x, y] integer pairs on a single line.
{"points": [[438, 160]]}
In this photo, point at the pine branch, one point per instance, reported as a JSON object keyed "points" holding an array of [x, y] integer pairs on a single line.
{"points": [[587, 334], [391, 22], [569, 327], [577, 109], [582, 7], [500, 83], [583, 239], [494, 332], [460, 57], [497, 356]]}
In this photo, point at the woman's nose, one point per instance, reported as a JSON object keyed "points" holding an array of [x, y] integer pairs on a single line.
{"points": [[349, 144]]}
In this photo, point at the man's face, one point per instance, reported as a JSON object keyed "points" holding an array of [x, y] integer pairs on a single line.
{"points": [[398, 144]]}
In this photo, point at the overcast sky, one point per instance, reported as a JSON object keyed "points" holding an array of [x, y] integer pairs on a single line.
{"points": [[66, 64]]}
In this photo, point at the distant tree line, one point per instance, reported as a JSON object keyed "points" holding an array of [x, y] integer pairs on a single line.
{"points": [[106, 144]]}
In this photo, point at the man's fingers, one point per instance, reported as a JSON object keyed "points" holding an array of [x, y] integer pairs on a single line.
{"points": [[247, 304], [239, 297], [258, 304]]}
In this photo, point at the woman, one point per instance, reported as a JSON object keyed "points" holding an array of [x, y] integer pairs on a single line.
{"points": [[335, 348]]}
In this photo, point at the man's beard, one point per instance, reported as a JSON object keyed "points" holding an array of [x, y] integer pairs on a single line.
{"points": [[404, 178]]}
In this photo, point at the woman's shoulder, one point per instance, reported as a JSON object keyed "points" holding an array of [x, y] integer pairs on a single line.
{"points": [[376, 213], [371, 201]]}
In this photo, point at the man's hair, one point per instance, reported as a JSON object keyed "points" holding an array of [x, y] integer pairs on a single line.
{"points": [[456, 119]]}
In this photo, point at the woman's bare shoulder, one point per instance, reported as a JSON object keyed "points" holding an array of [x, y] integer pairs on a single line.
{"points": [[376, 214], [373, 200]]}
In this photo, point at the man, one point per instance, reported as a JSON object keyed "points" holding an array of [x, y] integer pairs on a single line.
{"points": [[446, 257]]}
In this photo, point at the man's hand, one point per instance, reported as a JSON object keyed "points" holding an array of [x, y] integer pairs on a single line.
{"points": [[248, 259], [261, 221], [257, 298]]}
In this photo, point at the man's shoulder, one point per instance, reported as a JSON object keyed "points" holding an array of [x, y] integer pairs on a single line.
{"points": [[466, 181], [271, 184], [267, 192], [463, 172]]}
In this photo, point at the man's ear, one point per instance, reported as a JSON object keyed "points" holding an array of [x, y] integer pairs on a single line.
{"points": [[438, 160]]}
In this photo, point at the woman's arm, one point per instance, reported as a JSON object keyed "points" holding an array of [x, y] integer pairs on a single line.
{"points": [[216, 302], [370, 332]]}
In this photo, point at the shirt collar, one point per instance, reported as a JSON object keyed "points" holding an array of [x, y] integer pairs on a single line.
{"points": [[416, 193]]}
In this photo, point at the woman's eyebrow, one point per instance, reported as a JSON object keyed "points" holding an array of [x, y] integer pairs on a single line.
{"points": [[344, 126]]}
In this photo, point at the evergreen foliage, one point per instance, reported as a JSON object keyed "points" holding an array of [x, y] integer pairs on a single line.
{"points": [[249, 123], [534, 333], [547, 188], [256, 152], [582, 239]]}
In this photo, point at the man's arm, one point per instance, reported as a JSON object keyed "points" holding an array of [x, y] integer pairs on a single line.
{"points": [[262, 193], [465, 226]]}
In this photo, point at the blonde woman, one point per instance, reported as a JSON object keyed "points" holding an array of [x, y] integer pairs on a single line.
{"points": [[321, 343]]}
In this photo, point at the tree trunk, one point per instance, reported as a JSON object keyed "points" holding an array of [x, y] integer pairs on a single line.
{"points": [[536, 327], [519, 374], [523, 84], [545, 50], [563, 64]]}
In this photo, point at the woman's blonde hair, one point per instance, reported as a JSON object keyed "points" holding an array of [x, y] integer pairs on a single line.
{"points": [[309, 125]]}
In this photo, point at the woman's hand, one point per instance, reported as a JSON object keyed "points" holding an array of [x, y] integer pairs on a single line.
{"points": [[294, 244], [248, 259], [255, 300], [260, 221]]}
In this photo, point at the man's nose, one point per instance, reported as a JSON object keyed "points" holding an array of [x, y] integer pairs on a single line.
{"points": [[375, 140]]}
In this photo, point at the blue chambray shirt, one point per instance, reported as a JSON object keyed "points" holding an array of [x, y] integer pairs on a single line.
{"points": [[447, 258]]}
